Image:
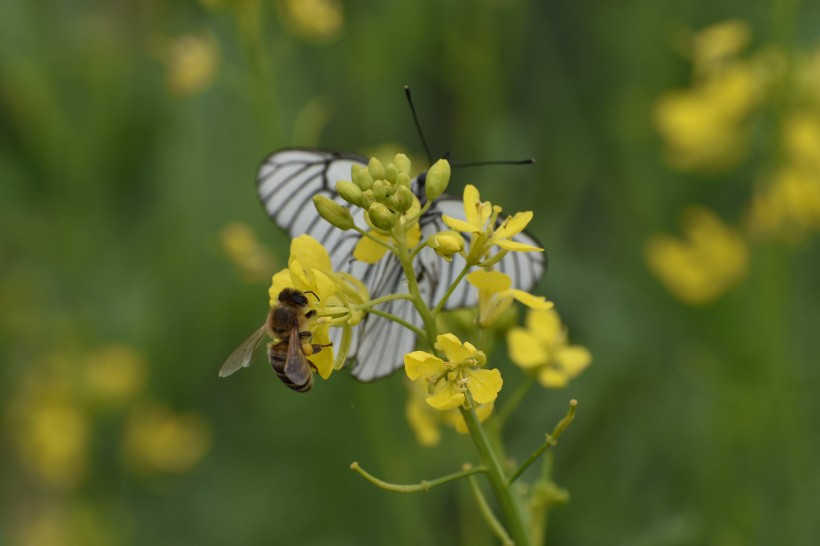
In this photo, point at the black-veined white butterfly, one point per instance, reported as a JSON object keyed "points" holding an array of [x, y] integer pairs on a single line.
{"points": [[287, 181]]}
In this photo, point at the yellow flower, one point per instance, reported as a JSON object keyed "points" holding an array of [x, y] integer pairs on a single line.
{"points": [[310, 270], [252, 259], [315, 20], [114, 374], [156, 439], [192, 63], [495, 296], [450, 380], [709, 259], [426, 422], [446, 244], [542, 347], [789, 206], [480, 223], [717, 43]]}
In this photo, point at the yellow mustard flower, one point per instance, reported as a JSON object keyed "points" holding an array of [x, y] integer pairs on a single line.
{"points": [[426, 422], [158, 439], [542, 347], [314, 20], [716, 44], [243, 249], [709, 259], [449, 380], [192, 63], [114, 374], [789, 206], [495, 296], [480, 219]]}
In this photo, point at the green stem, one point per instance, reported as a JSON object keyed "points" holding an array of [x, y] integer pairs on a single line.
{"points": [[418, 331], [424, 485], [376, 240], [413, 288], [503, 493], [548, 443], [383, 299], [487, 512], [450, 290]]}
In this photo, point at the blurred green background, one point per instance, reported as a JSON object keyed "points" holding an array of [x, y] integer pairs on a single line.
{"points": [[129, 137]]}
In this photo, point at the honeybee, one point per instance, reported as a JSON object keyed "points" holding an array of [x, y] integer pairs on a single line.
{"points": [[286, 354]]}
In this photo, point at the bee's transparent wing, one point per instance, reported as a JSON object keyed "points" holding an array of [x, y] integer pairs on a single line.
{"points": [[241, 356]]}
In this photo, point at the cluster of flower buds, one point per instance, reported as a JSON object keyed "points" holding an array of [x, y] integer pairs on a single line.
{"points": [[382, 191]]}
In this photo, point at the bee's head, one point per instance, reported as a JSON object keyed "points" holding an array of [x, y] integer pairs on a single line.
{"points": [[291, 296]]}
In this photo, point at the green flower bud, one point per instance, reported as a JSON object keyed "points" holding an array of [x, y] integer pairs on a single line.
{"points": [[391, 172], [380, 189], [361, 177], [402, 200], [376, 169], [402, 163], [381, 217], [349, 191], [446, 243], [438, 176], [333, 212], [367, 199], [403, 179]]}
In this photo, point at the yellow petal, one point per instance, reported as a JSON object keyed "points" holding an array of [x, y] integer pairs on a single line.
{"points": [[279, 282], [552, 378], [573, 359], [459, 225], [526, 348], [483, 384], [491, 281], [446, 397], [368, 251], [515, 246], [324, 286], [534, 302], [513, 225], [472, 205], [545, 324], [323, 360], [310, 253], [414, 235], [420, 364], [453, 349]]}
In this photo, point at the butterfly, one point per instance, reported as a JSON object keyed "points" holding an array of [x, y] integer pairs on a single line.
{"points": [[288, 179]]}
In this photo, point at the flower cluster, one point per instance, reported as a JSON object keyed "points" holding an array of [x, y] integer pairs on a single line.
{"points": [[310, 270]]}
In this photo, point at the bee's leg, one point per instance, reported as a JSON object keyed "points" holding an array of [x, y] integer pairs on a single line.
{"points": [[305, 336]]}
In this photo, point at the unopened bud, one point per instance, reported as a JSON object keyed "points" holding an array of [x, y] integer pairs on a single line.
{"points": [[381, 217], [403, 179], [376, 169], [402, 200], [402, 163], [446, 243], [361, 177], [349, 191], [438, 176], [380, 188], [391, 172], [333, 212], [367, 199]]}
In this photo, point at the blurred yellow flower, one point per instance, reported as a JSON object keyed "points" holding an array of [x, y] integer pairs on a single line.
{"points": [[253, 260], [542, 347], [699, 267], [157, 439], [114, 374], [495, 296], [448, 381], [192, 63], [717, 43], [53, 435], [315, 20], [789, 206]]}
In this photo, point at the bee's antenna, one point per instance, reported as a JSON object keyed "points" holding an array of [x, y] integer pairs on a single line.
{"points": [[418, 125], [312, 292], [502, 162]]}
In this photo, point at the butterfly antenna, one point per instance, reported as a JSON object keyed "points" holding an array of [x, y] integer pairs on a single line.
{"points": [[418, 125], [503, 162]]}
